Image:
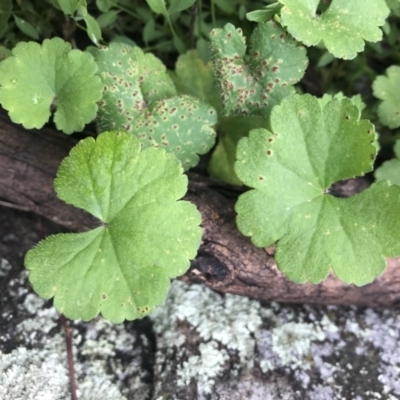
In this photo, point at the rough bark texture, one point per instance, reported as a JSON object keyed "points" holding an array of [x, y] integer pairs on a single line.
{"points": [[227, 262]]}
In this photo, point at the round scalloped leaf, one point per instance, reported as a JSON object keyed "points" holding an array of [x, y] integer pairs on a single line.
{"points": [[291, 171], [39, 77], [387, 88], [182, 125], [132, 80], [343, 27], [253, 86], [123, 267], [137, 99]]}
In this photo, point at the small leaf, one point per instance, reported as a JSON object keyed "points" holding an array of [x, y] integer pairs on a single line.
{"points": [[68, 7], [122, 268], [93, 29], [107, 19], [291, 170], [253, 85], [37, 77], [26, 28], [265, 14], [179, 5], [343, 27], [390, 170], [387, 88], [157, 6], [105, 5], [230, 131]]}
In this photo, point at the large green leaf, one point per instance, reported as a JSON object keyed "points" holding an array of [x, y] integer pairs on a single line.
{"points": [[291, 171], [140, 98], [38, 77], [253, 85], [343, 27], [145, 236], [387, 88]]}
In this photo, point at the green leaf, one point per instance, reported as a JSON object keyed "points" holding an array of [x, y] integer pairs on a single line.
{"points": [[104, 5], [140, 98], [68, 7], [253, 87], [194, 77], [387, 88], [343, 27], [390, 170], [157, 6], [38, 77], [26, 28], [180, 5], [291, 171], [230, 131], [93, 29], [123, 267], [265, 14], [107, 19]]}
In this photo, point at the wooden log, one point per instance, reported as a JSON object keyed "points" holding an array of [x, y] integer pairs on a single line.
{"points": [[226, 261]]}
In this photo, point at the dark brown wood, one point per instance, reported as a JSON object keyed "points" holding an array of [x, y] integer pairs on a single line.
{"points": [[227, 261]]}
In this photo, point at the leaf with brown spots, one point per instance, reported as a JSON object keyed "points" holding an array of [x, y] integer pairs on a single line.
{"points": [[140, 98], [252, 84]]}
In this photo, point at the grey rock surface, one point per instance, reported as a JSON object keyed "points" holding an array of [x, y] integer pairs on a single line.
{"points": [[209, 346]]}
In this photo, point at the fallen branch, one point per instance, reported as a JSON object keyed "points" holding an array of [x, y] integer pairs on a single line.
{"points": [[226, 262]]}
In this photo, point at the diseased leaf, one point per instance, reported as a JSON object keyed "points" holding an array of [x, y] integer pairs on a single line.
{"points": [[343, 27], [123, 267], [140, 98], [291, 170], [253, 87], [390, 170], [387, 88], [38, 77]]}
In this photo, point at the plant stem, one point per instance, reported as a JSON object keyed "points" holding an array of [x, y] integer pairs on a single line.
{"points": [[213, 18], [70, 356]]}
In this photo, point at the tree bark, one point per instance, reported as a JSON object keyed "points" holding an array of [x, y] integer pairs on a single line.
{"points": [[226, 261]]}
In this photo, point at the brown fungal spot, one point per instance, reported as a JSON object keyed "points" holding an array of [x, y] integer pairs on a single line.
{"points": [[270, 139], [269, 152], [103, 296], [275, 68], [261, 178], [347, 116]]}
